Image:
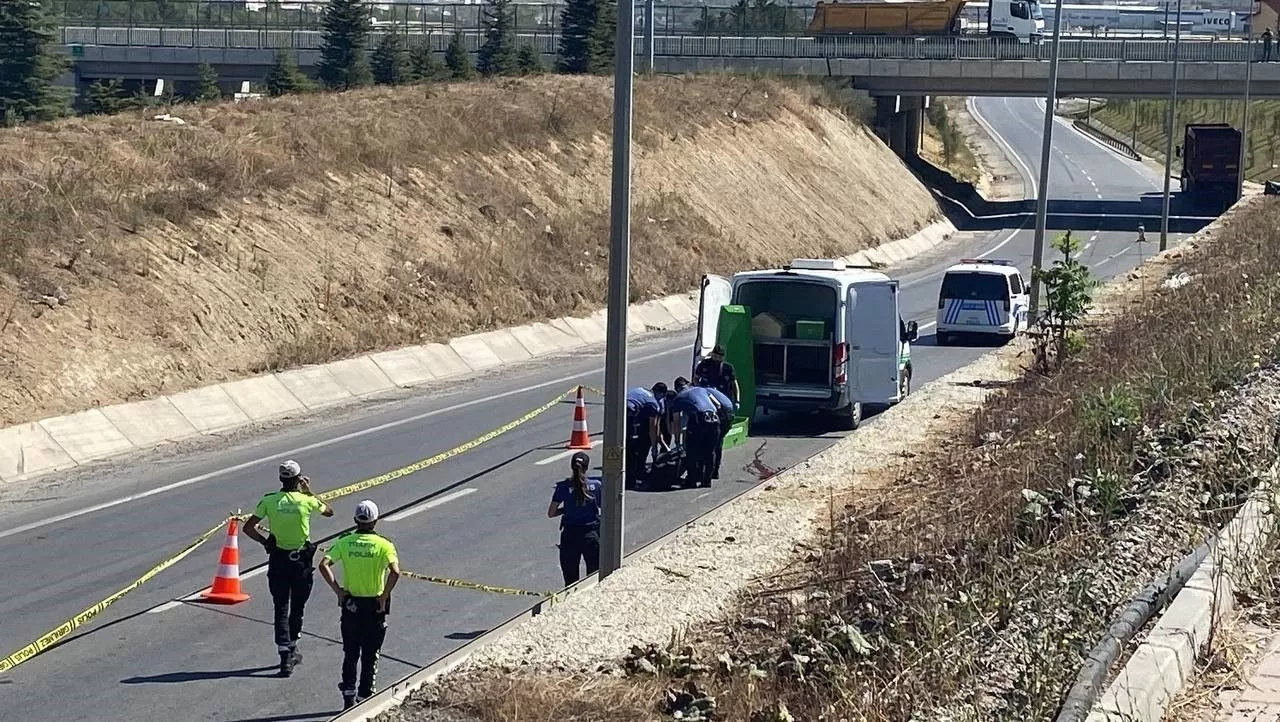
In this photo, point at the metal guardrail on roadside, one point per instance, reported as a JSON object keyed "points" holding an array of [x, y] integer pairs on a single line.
{"points": [[886, 48], [1106, 138]]}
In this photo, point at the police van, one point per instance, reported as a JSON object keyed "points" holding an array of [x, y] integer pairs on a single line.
{"points": [[982, 297], [824, 337]]}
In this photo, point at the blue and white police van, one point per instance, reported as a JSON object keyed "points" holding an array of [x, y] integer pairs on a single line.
{"points": [[982, 297]]}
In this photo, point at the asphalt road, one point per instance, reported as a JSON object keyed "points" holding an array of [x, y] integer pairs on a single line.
{"points": [[67, 542]]}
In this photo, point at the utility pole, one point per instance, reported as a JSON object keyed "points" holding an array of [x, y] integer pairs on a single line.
{"points": [[1172, 118], [649, 33], [1244, 114], [1042, 199], [615, 350]]}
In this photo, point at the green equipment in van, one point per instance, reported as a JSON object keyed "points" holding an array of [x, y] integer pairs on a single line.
{"points": [[733, 333]]}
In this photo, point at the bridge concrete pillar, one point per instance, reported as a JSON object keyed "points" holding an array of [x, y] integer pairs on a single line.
{"points": [[897, 123]]}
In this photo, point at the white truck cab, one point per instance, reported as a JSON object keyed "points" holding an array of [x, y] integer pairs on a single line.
{"points": [[1020, 20], [825, 336], [982, 297]]}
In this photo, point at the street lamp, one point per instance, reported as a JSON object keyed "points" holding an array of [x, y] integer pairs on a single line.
{"points": [[1172, 118], [615, 350], [1042, 198]]}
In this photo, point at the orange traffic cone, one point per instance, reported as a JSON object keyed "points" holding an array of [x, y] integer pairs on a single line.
{"points": [[226, 582], [580, 439]]}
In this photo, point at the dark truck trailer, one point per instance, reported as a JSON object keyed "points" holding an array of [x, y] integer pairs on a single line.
{"points": [[1210, 155]]}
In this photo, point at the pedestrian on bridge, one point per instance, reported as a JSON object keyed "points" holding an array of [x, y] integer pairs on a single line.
{"points": [[289, 555], [370, 570], [1266, 45], [577, 500]]}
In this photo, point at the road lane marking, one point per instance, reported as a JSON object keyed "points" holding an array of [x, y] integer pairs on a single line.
{"points": [[564, 454], [166, 606], [433, 503], [683, 348]]}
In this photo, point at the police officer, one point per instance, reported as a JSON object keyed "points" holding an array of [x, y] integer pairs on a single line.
{"points": [[289, 555], [644, 412], [370, 570], [577, 501], [715, 372], [702, 434]]}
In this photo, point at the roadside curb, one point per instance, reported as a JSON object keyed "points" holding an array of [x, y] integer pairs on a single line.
{"points": [[64, 442], [1166, 659]]}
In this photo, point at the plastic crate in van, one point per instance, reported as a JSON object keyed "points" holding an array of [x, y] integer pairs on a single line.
{"points": [[811, 330]]}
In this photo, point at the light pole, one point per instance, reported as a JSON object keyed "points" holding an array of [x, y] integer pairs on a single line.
{"points": [[1172, 118], [1244, 114], [615, 350], [649, 33], [1042, 198]]}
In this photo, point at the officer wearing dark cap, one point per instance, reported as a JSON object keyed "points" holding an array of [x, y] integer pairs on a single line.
{"points": [[577, 501], [714, 372]]}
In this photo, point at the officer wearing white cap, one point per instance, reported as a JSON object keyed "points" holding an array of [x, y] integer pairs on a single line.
{"points": [[370, 570], [289, 555]]}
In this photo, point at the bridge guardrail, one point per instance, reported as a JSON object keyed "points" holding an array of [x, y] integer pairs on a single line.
{"points": [[883, 48]]}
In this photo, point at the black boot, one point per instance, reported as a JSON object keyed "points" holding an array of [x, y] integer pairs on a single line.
{"points": [[286, 664]]}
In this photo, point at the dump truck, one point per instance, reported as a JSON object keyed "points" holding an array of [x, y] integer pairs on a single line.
{"points": [[1210, 154], [1020, 20]]}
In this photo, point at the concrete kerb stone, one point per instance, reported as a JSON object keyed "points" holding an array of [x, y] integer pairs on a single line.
{"points": [[262, 397], [360, 376], [475, 353], [27, 449], [314, 386], [150, 423], [209, 409], [403, 366], [86, 435], [1165, 661]]}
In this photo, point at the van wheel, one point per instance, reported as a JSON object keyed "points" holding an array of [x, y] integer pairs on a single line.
{"points": [[942, 339], [848, 418]]}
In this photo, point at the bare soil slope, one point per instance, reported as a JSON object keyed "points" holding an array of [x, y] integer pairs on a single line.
{"points": [[142, 257]]}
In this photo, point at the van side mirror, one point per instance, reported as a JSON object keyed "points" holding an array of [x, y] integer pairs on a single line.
{"points": [[913, 331], [1177, 151]]}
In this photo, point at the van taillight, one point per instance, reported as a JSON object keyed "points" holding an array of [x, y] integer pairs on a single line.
{"points": [[840, 360]]}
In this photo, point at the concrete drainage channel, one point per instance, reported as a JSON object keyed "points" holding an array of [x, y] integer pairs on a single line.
{"points": [[1202, 590]]}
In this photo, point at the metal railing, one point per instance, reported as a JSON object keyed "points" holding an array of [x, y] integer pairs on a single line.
{"points": [[886, 48]]}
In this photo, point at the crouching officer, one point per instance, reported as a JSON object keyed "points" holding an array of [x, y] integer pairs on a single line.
{"points": [[289, 555], [702, 434], [578, 500], [644, 414], [370, 570]]}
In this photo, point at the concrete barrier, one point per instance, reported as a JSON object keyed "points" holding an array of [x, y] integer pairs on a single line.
{"points": [[63, 442]]}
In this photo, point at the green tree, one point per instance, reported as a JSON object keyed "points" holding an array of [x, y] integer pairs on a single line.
{"points": [[529, 61], [603, 35], [206, 84], [345, 41], [391, 61], [576, 23], [498, 54], [457, 60], [1068, 295], [425, 65], [29, 65], [285, 77], [106, 97], [761, 17]]}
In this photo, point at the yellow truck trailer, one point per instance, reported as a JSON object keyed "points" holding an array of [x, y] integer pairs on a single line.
{"points": [[1022, 20]]}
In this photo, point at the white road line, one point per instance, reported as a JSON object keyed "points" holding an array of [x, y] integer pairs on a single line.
{"points": [[430, 504], [312, 447], [166, 607], [1028, 176], [563, 454]]}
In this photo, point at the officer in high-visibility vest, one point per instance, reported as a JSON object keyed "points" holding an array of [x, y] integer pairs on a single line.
{"points": [[370, 570], [289, 555]]}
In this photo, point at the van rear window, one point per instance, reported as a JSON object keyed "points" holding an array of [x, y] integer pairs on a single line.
{"points": [[975, 286], [789, 301]]}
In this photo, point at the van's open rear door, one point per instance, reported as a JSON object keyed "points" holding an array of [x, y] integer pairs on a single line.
{"points": [[716, 292], [874, 342]]}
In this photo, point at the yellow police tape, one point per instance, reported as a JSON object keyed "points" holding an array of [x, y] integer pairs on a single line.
{"points": [[442, 456], [69, 626], [473, 585]]}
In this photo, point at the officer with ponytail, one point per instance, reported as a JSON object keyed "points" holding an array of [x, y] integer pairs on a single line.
{"points": [[577, 501]]}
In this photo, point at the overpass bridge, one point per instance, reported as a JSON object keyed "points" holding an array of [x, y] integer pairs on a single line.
{"points": [[881, 66]]}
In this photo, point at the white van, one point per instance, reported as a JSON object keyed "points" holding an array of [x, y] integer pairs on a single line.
{"points": [[984, 297], [826, 336]]}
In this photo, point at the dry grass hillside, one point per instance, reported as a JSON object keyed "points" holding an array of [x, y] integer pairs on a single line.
{"points": [[142, 257]]}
